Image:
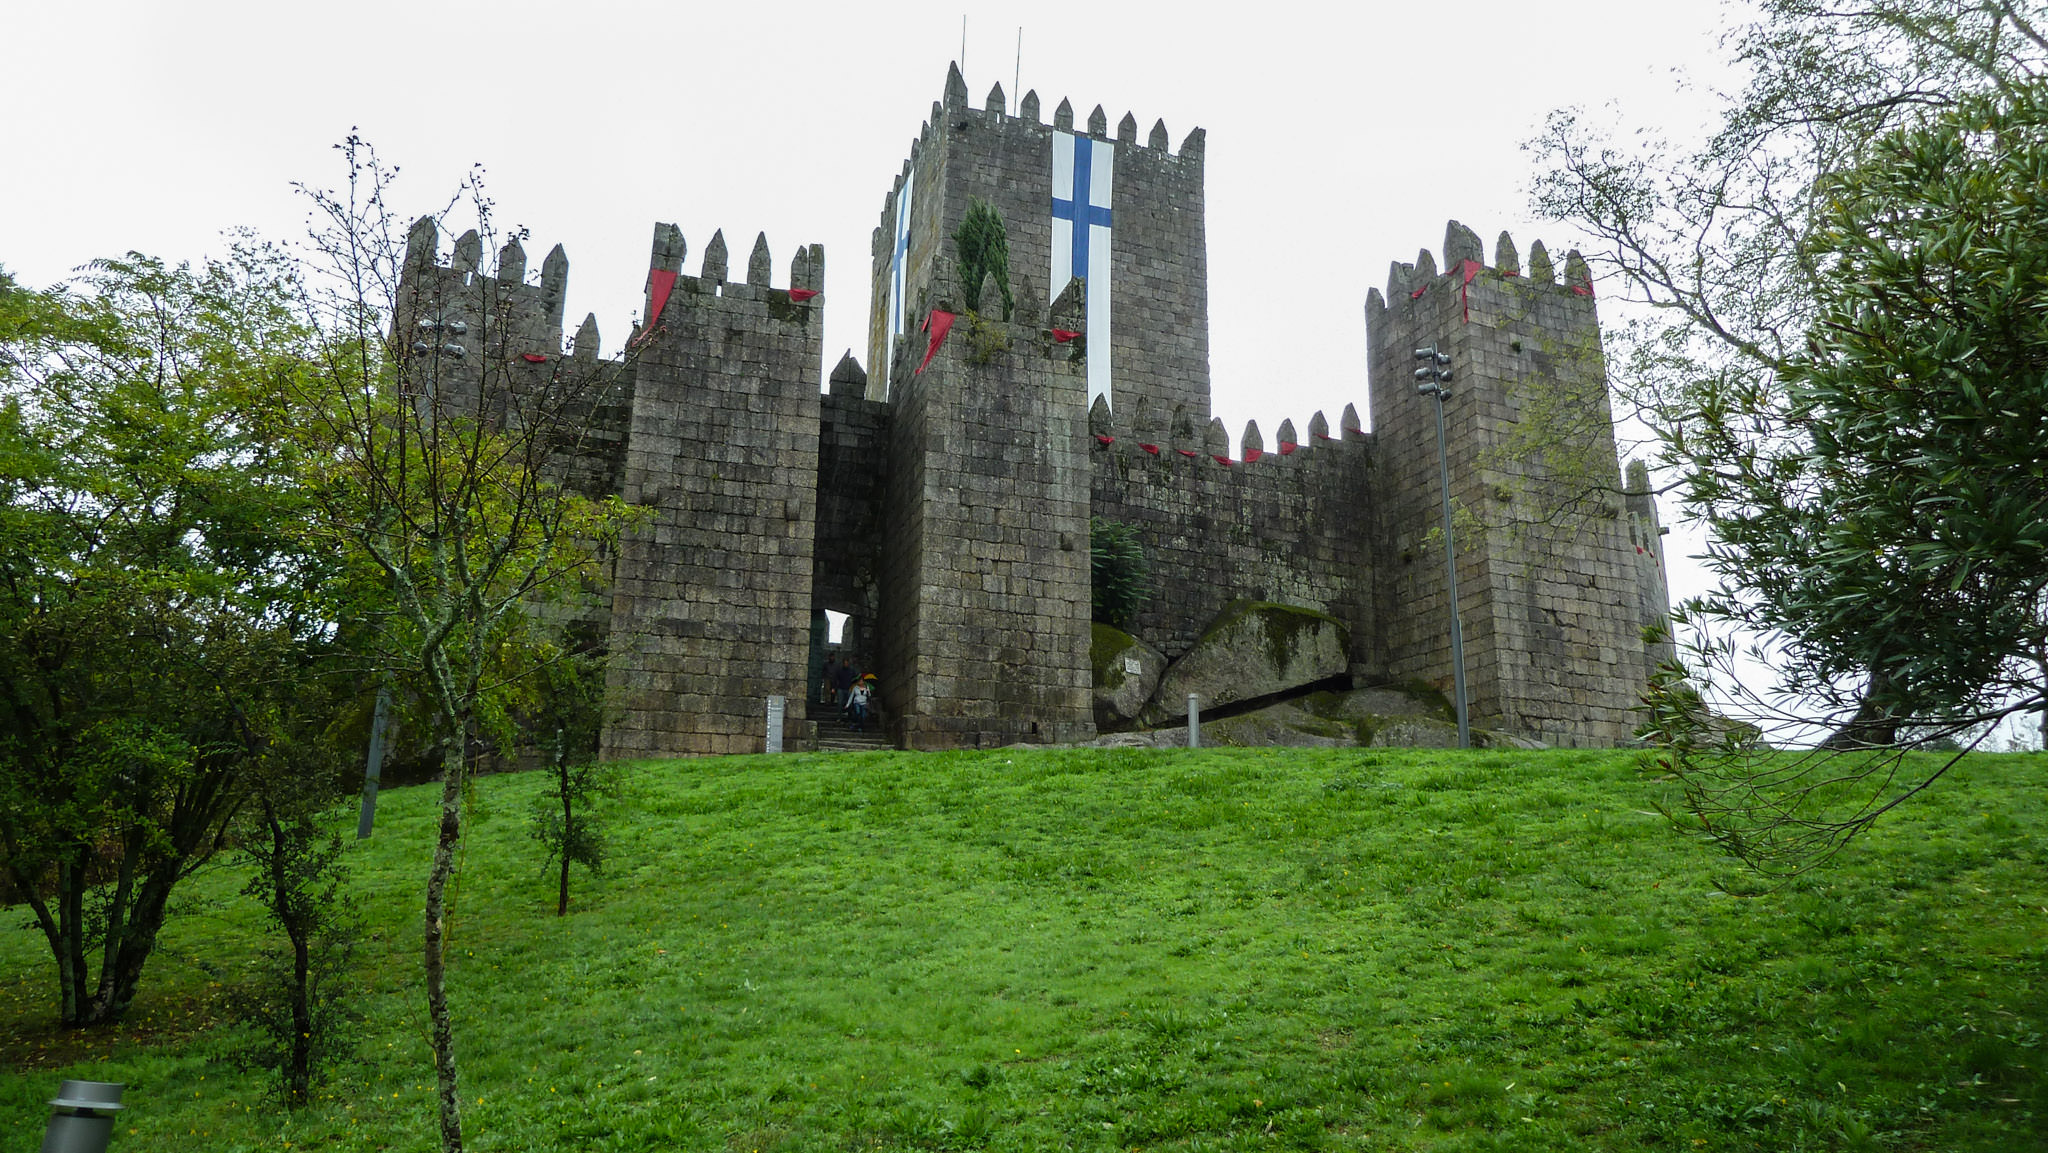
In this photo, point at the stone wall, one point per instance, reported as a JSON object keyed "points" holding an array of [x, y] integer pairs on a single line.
{"points": [[711, 609], [853, 470], [1297, 525], [984, 622]]}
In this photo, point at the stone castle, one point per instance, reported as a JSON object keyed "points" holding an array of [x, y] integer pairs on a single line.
{"points": [[942, 498]]}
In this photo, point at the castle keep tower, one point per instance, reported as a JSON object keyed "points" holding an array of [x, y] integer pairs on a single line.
{"points": [[1076, 201], [985, 576]]}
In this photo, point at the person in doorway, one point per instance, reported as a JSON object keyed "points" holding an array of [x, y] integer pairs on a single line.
{"points": [[862, 702], [842, 683]]}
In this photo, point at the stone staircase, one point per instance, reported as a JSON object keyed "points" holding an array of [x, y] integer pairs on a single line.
{"points": [[834, 736]]}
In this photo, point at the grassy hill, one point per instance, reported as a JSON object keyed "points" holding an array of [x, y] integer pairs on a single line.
{"points": [[1230, 949]]}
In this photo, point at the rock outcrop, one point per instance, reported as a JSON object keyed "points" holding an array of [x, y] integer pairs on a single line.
{"points": [[1253, 649], [1127, 670]]}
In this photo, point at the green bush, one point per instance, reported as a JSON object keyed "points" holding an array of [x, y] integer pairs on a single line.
{"points": [[984, 248], [1117, 572]]}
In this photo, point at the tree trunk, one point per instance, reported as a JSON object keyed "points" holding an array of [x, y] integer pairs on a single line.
{"points": [[298, 1070], [442, 1029], [122, 975], [53, 932], [71, 927], [299, 1076], [1876, 723], [568, 824]]}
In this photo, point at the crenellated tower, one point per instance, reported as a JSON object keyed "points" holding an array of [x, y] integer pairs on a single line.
{"points": [[1548, 575], [942, 497], [711, 607]]}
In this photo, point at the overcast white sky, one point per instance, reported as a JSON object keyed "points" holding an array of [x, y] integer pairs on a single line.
{"points": [[1340, 137]]}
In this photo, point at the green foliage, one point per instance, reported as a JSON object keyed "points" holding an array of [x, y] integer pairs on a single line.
{"points": [[439, 478], [302, 1010], [1906, 533], [1287, 949], [1843, 369], [984, 253], [566, 728], [1117, 572], [168, 630], [1899, 543]]}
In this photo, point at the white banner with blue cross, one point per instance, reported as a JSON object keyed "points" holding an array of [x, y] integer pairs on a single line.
{"points": [[899, 256], [1081, 175]]}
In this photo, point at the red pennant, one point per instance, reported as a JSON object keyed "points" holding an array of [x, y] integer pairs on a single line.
{"points": [[1061, 335], [1471, 269], [1151, 448], [660, 283], [1187, 452], [1324, 436], [938, 324], [1582, 290], [533, 357], [1252, 454], [1287, 447], [1639, 550], [1101, 439], [1225, 461], [802, 294], [1417, 294]]}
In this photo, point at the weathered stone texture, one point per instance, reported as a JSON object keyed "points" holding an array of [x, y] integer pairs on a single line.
{"points": [[1253, 650], [712, 603], [948, 512], [1159, 278], [1548, 582], [1296, 526], [984, 630]]}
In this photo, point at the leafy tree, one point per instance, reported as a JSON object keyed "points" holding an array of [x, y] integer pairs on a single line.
{"points": [[1841, 392], [1898, 537], [164, 627], [297, 875], [984, 249], [440, 476], [566, 728]]}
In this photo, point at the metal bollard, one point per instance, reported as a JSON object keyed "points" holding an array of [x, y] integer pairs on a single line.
{"points": [[82, 1117], [1194, 721], [775, 707]]}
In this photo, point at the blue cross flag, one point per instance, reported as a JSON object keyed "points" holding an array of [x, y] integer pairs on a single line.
{"points": [[899, 256], [1081, 176]]}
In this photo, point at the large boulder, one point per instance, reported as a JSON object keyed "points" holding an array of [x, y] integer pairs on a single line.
{"points": [[1126, 671], [1253, 649]]}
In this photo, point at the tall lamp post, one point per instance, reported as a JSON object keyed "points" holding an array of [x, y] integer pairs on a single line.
{"points": [[1434, 375]]}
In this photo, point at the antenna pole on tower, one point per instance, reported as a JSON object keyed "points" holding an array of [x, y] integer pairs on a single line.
{"points": [[1017, 94], [963, 44]]}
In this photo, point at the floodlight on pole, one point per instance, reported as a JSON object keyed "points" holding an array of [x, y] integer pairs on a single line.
{"points": [[1433, 376]]}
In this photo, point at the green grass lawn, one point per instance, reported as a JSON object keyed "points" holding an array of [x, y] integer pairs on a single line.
{"points": [[1135, 949]]}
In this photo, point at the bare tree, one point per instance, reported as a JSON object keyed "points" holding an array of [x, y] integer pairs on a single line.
{"points": [[449, 420]]}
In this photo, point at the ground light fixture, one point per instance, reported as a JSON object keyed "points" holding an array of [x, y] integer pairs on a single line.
{"points": [[82, 1117], [1433, 378]]}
